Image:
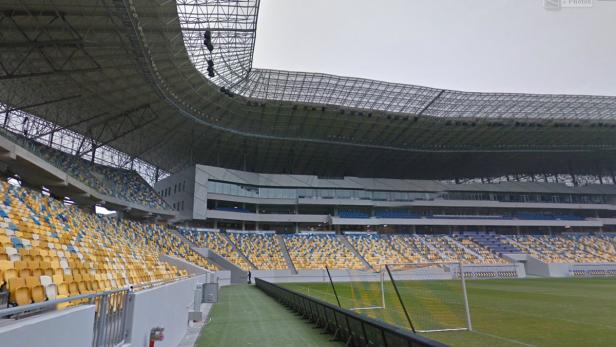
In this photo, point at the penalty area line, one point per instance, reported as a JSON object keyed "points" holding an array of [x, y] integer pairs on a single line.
{"points": [[504, 338]]}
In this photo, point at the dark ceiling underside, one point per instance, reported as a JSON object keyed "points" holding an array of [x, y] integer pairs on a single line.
{"points": [[121, 75]]}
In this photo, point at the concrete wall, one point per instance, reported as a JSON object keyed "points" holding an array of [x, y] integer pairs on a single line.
{"points": [[282, 276], [536, 267], [433, 273], [222, 277], [606, 267], [467, 222], [184, 265], [200, 193], [72, 327], [270, 217], [184, 183], [518, 268], [236, 274], [166, 306]]}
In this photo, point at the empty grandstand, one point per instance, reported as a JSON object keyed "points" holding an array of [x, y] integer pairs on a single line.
{"points": [[148, 172]]}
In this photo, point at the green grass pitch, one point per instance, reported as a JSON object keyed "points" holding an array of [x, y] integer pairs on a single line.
{"points": [[520, 312]]}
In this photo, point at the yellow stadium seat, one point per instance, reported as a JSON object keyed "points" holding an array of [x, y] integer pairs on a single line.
{"points": [[22, 296], [6, 264], [63, 290], [73, 288], [9, 273]]}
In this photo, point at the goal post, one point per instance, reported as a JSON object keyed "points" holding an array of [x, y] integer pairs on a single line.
{"points": [[432, 295], [379, 304], [358, 291]]}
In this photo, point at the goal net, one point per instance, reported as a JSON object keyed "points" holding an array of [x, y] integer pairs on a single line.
{"points": [[423, 297], [432, 295], [358, 291]]}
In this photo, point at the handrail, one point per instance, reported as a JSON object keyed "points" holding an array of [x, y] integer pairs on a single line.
{"points": [[346, 325], [40, 305], [157, 283]]}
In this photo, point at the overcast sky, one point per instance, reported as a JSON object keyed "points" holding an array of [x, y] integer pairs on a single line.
{"points": [[471, 45]]}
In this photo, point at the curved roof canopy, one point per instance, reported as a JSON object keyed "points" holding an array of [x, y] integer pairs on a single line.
{"points": [[129, 74], [233, 30]]}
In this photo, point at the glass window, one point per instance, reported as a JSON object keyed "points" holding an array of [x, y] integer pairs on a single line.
{"points": [[400, 196], [380, 195], [306, 193], [344, 193], [326, 193]]}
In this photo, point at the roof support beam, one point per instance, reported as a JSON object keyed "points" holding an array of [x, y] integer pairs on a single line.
{"points": [[43, 103], [40, 44], [431, 102], [221, 30], [131, 121], [118, 136]]}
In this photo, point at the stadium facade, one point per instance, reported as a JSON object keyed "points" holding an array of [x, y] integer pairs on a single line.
{"points": [[232, 199]]}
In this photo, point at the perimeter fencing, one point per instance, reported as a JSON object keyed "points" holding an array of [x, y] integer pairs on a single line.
{"points": [[352, 328]]}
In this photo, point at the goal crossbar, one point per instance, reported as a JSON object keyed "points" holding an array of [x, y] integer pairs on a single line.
{"points": [[457, 272], [382, 297]]}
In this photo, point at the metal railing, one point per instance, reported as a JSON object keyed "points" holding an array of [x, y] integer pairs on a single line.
{"points": [[345, 325], [109, 319]]}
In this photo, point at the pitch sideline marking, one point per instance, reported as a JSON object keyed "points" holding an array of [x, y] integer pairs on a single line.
{"points": [[611, 327], [504, 338]]}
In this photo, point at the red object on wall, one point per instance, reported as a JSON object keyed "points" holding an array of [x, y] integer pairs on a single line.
{"points": [[156, 334]]}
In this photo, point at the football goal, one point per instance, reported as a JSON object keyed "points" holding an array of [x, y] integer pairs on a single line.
{"points": [[432, 295], [424, 297]]}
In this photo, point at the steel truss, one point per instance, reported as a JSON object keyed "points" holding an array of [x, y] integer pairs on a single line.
{"points": [[95, 146], [38, 40], [233, 26]]}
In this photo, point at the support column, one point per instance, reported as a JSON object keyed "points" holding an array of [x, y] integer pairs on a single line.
{"points": [[7, 116]]}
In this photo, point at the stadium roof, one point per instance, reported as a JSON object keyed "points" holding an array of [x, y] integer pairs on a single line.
{"points": [[130, 75], [233, 31]]}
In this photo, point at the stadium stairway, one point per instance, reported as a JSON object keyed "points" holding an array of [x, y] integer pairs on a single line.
{"points": [[432, 248], [285, 253], [394, 246], [466, 249], [237, 274], [349, 246], [496, 244], [238, 251]]}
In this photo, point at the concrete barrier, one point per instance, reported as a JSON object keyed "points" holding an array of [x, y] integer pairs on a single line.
{"points": [[166, 306], [430, 273], [72, 327]]}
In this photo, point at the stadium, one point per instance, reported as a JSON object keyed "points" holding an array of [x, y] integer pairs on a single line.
{"points": [[160, 190]]}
